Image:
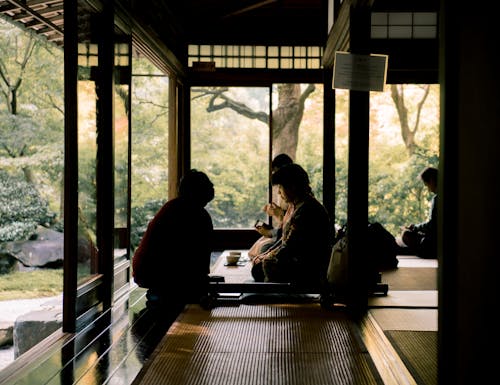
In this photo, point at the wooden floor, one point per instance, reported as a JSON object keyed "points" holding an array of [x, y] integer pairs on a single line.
{"points": [[303, 343], [261, 344], [282, 340], [111, 355], [404, 324]]}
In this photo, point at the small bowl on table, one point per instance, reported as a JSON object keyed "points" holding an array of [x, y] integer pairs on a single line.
{"points": [[233, 258]]}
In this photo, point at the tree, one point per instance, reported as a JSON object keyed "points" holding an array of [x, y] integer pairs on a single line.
{"points": [[13, 65], [31, 109], [287, 116], [404, 139], [396, 197], [408, 133], [149, 133]]}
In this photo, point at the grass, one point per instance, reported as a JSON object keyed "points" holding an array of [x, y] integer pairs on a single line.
{"points": [[31, 284]]}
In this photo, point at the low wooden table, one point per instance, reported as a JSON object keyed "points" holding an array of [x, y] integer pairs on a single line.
{"points": [[236, 280], [239, 273]]}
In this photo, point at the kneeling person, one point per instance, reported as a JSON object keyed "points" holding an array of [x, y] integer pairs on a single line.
{"points": [[302, 253], [176, 272]]}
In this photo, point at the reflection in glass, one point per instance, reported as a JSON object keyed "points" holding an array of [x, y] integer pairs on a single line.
{"points": [[121, 147], [87, 149], [149, 179], [341, 154], [88, 63]]}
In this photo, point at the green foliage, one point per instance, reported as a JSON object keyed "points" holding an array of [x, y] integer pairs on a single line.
{"points": [[22, 209], [310, 144], [397, 196], [149, 133], [33, 137], [233, 151]]}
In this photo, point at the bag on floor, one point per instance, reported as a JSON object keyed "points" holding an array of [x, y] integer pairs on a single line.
{"points": [[337, 274], [382, 247]]}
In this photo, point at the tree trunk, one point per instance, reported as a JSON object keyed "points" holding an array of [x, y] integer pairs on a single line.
{"points": [[287, 116], [407, 133]]}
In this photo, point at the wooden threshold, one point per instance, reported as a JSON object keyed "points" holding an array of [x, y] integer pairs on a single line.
{"points": [[390, 366]]}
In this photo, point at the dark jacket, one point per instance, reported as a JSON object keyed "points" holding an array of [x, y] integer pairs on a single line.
{"points": [[430, 226], [303, 254], [428, 243], [173, 256]]}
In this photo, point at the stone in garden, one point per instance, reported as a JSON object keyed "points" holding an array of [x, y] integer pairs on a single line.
{"points": [[45, 250]]}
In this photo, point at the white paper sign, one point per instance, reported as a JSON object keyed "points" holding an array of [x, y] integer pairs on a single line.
{"points": [[359, 72]]}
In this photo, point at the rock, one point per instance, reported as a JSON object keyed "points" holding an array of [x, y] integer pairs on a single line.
{"points": [[46, 250], [33, 327]]}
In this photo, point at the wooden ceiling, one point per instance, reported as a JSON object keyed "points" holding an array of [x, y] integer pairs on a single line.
{"points": [[45, 17], [293, 22], [284, 22], [177, 23]]}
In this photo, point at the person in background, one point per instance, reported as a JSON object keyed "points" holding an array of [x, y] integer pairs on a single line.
{"points": [[302, 253], [422, 237], [176, 272], [276, 210]]}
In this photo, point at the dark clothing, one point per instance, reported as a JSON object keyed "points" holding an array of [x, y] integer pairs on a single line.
{"points": [[423, 236], [302, 254], [430, 227], [175, 272]]}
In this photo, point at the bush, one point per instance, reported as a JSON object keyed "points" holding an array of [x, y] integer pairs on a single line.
{"points": [[22, 209]]}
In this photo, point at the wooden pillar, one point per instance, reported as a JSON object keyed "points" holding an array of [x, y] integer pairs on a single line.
{"points": [[329, 145], [357, 195], [175, 117], [469, 190], [105, 164], [70, 164]]}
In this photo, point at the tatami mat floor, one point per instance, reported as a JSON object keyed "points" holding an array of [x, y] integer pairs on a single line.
{"points": [[261, 344], [305, 344], [407, 317]]}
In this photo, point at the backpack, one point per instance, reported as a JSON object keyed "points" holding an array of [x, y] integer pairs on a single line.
{"points": [[382, 247]]}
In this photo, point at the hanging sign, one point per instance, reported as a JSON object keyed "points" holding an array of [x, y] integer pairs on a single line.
{"points": [[359, 72]]}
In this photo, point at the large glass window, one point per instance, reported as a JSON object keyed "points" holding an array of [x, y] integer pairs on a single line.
{"points": [[102, 129], [247, 56], [87, 158], [121, 137], [230, 142], [341, 155], [404, 139], [308, 128], [149, 144], [122, 72], [31, 181]]}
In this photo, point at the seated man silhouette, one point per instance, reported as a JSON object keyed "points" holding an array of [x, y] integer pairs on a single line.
{"points": [[422, 237], [176, 271]]}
